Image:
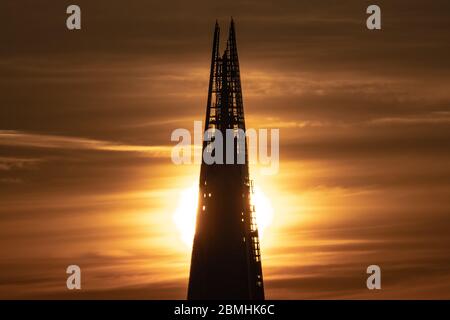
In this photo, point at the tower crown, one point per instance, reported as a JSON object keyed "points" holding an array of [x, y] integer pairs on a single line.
{"points": [[226, 260]]}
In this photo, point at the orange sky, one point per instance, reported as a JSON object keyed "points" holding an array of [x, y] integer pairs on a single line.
{"points": [[85, 122]]}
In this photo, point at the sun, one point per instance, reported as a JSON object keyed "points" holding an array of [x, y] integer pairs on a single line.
{"points": [[185, 214]]}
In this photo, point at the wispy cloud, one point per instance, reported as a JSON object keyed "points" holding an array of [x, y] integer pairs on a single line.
{"points": [[22, 139], [9, 163]]}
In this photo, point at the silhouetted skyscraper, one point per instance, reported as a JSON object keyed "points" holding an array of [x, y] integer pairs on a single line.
{"points": [[226, 260]]}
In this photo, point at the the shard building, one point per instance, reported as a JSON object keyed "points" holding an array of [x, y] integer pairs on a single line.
{"points": [[226, 259]]}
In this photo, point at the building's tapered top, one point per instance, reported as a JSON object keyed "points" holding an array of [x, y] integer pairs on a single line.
{"points": [[226, 261], [225, 106]]}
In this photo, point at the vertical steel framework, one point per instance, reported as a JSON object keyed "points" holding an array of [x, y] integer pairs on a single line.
{"points": [[226, 259]]}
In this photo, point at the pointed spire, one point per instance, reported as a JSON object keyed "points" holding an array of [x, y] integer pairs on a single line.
{"points": [[232, 26], [231, 43]]}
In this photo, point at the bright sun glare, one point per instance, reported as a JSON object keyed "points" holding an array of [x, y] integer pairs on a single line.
{"points": [[186, 211]]}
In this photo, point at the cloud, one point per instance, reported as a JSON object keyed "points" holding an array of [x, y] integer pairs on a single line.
{"points": [[433, 118], [22, 139], [10, 163]]}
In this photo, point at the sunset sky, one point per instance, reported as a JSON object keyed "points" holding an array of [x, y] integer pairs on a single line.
{"points": [[86, 116]]}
